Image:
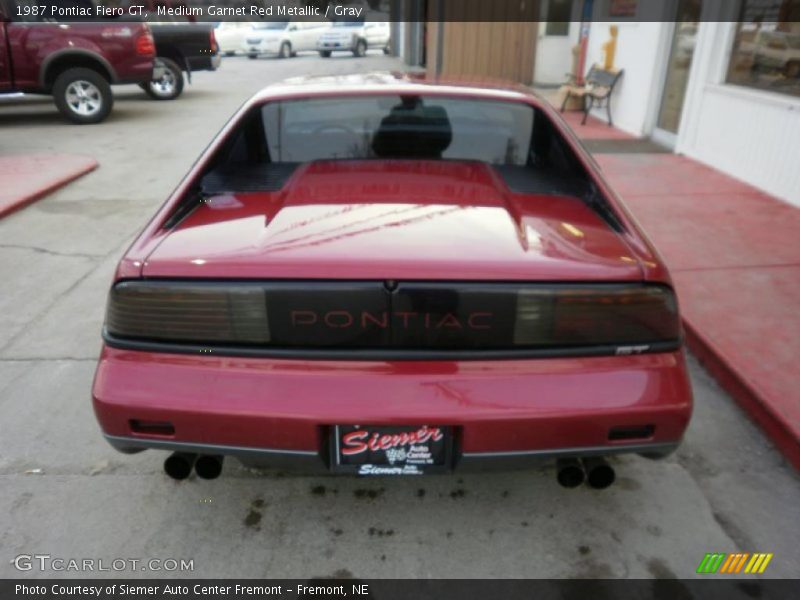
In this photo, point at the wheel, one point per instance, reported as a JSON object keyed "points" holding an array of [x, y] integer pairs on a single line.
{"points": [[386, 49], [285, 51], [360, 49], [169, 86], [792, 69], [82, 95], [325, 53], [230, 53], [252, 56]]}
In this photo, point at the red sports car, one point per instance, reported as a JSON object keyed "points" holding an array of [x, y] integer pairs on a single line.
{"points": [[383, 275]]}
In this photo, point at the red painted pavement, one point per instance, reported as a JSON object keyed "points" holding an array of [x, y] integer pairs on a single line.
{"points": [[29, 177], [595, 129], [734, 253]]}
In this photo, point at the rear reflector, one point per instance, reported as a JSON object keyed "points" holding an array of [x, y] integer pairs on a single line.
{"points": [[152, 427], [641, 432]]}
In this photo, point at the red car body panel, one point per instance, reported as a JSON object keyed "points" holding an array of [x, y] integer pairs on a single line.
{"points": [[379, 220], [394, 220], [500, 406]]}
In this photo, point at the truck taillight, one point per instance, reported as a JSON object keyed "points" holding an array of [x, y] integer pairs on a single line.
{"points": [[145, 46], [212, 40]]}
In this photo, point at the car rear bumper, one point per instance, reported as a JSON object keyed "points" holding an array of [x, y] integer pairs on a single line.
{"points": [[278, 412], [335, 45]]}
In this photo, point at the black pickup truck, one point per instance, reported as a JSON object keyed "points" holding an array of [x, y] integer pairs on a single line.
{"points": [[180, 47]]}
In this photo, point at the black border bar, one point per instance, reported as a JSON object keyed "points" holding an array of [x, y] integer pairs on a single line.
{"points": [[707, 587], [474, 11]]}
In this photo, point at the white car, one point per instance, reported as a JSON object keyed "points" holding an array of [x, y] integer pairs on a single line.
{"points": [[282, 38], [231, 35], [354, 36]]}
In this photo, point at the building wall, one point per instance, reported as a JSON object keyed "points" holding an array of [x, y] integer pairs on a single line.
{"points": [[751, 134], [475, 38], [637, 94]]}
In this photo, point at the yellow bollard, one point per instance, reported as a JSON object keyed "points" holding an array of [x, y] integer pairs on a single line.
{"points": [[610, 49]]}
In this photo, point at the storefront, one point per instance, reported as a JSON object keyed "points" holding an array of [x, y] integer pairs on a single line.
{"points": [[719, 82]]}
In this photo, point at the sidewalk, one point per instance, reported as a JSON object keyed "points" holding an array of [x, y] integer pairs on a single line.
{"points": [[734, 254], [28, 177]]}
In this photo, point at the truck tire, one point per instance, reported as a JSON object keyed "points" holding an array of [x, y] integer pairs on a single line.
{"points": [[83, 96], [360, 49], [325, 53], [169, 86]]}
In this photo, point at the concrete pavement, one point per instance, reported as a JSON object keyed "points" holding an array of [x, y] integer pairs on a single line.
{"points": [[65, 492]]}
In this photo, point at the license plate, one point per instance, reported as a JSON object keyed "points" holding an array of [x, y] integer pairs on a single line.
{"points": [[391, 450]]}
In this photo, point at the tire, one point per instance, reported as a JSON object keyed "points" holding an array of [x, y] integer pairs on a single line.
{"points": [[230, 53], [361, 49], [387, 50], [252, 56], [792, 69], [170, 86], [325, 53], [83, 96], [285, 51]]}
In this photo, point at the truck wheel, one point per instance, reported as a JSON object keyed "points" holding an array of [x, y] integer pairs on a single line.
{"points": [[169, 86], [325, 53], [83, 96], [286, 50], [791, 69], [360, 49]]}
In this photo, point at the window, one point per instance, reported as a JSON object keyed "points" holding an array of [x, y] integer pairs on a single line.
{"points": [[559, 13], [766, 48], [398, 127]]}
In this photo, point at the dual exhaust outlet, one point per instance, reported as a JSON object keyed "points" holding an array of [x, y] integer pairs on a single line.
{"points": [[572, 472], [179, 465]]}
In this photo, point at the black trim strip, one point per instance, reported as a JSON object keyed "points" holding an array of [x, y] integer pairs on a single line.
{"points": [[373, 354], [314, 462]]}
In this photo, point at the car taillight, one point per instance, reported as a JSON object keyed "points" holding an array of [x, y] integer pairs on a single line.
{"points": [[145, 46], [596, 315], [187, 312], [416, 316]]}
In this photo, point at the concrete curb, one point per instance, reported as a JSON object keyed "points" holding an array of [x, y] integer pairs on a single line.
{"points": [[14, 204], [745, 395]]}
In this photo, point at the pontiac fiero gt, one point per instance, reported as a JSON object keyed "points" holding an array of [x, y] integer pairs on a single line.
{"points": [[386, 275]]}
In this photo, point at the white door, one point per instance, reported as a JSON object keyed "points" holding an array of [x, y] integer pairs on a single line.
{"points": [[557, 35]]}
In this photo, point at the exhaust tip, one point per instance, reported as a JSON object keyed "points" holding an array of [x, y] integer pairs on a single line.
{"points": [[599, 474], [569, 472], [178, 465], [208, 466]]}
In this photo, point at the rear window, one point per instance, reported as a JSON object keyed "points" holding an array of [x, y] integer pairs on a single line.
{"points": [[518, 140], [367, 127]]}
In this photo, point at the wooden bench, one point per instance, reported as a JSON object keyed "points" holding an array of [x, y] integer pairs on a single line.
{"points": [[597, 89]]}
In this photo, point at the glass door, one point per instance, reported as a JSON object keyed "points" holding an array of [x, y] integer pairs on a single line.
{"points": [[681, 52]]}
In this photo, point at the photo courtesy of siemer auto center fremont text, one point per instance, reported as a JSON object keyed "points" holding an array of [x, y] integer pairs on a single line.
{"points": [[399, 299]]}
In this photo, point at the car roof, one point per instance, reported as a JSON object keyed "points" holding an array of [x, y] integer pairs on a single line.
{"points": [[389, 82]]}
